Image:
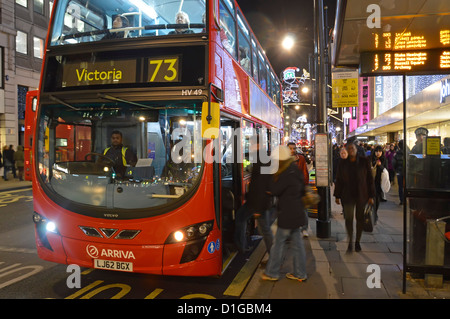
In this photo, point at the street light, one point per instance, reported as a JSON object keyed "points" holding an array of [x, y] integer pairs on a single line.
{"points": [[288, 42]]}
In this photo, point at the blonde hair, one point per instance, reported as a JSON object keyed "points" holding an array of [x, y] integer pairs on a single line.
{"points": [[184, 15]]}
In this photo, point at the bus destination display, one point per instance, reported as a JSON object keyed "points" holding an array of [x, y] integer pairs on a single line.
{"points": [[159, 69]]}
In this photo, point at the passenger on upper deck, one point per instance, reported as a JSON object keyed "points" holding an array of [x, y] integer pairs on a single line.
{"points": [[119, 21], [181, 18]]}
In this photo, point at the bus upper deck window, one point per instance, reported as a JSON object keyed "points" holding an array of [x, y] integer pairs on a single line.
{"points": [[77, 21]]}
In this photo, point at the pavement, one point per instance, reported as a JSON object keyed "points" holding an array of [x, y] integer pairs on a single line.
{"points": [[13, 184], [335, 274]]}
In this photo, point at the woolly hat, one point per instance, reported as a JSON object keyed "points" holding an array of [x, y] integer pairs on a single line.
{"points": [[421, 131], [281, 153]]}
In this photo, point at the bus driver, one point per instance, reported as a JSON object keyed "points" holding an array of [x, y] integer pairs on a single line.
{"points": [[121, 156]]}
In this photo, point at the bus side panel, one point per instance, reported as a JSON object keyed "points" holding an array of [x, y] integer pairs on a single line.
{"points": [[30, 119]]}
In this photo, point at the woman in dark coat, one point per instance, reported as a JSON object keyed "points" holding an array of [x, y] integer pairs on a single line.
{"points": [[287, 183], [355, 188], [378, 162]]}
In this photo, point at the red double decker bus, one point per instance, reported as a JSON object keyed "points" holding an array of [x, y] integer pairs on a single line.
{"points": [[30, 120], [159, 72]]}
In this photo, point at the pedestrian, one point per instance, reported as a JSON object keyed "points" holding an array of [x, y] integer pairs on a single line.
{"points": [[257, 203], [288, 185], [19, 161], [397, 163], [389, 157], [354, 188], [8, 160], [421, 134], [303, 167], [379, 163]]}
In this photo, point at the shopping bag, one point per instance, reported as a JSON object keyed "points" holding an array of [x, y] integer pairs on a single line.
{"points": [[368, 218], [385, 182], [311, 197]]}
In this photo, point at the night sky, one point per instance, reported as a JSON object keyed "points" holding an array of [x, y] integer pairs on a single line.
{"points": [[270, 20]]}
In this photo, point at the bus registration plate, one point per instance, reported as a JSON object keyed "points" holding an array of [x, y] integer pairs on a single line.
{"points": [[113, 265]]}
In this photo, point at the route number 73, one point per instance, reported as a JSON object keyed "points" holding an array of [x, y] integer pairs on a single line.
{"points": [[164, 69]]}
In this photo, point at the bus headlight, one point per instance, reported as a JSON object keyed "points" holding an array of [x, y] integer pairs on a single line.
{"points": [[51, 227], [178, 235], [43, 223], [190, 232]]}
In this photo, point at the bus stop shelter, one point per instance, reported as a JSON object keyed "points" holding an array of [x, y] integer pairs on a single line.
{"points": [[408, 38]]}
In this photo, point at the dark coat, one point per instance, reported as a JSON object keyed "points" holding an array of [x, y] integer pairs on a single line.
{"points": [[397, 162], [379, 170], [354, 181], [290, 188], [257, 198]]}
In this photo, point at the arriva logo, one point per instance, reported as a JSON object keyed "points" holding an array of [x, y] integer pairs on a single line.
{"points": [[93, 252]]}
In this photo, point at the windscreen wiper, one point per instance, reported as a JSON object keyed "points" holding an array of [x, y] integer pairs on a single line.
{"points": [[63, 103]]}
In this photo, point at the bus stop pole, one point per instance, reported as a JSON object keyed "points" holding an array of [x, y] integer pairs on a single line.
{"points": [[323, 224]]}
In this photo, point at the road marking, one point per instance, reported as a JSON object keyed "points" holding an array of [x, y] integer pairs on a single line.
{"points": [[9, 197], [16, 190], [17, 250], [85, 289], [154, 293], [124, 289], [242, 278], [34, 270]]}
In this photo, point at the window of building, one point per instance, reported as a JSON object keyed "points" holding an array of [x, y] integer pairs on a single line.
{"points": [[22, 42], [23, 3], [38, 47], [39, 6], [21, 100]]}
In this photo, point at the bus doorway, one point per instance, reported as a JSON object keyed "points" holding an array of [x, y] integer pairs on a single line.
{"points": [[231, 184]]}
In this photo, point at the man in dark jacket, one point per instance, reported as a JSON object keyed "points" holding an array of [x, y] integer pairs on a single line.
{"points": [[355, 187], [257, 203]]}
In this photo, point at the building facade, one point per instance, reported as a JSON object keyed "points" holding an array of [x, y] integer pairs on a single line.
{"points": [[23, 30]]}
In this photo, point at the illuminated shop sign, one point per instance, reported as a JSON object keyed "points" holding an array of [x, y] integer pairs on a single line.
{"points": [[445, 90]]}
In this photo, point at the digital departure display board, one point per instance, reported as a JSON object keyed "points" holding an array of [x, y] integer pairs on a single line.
{"points": [[399, 62], [407, 52]]}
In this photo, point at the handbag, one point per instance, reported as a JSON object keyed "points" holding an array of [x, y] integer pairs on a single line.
{"points": [[385, 183], [368, 218], [311, 197]]}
